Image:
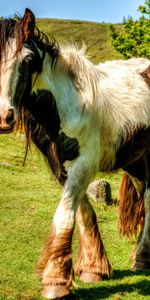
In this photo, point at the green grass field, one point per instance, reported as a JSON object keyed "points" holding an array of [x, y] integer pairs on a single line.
{"points": [[28, 199], [29, 196]]}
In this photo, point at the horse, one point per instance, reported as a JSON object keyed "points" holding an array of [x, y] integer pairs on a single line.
{"points": [[106, 109]]}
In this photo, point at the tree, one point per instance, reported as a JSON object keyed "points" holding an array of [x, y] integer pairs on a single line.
{"points": [[134, 39]]}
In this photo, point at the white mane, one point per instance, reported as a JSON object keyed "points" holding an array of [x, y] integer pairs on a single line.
{"points": [[81, 70]]}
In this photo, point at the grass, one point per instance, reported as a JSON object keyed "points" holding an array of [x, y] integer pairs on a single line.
{"points": [[28, 199], [29, 196]]}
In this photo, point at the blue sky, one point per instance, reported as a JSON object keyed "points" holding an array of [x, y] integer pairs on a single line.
{"points": [[111, 11]]}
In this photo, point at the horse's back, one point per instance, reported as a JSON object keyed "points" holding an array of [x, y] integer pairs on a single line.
{"points": [[138, 64]]}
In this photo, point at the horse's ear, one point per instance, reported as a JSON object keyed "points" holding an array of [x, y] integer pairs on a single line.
{"points": [[148, 72], [146, 75], [28, 24]]}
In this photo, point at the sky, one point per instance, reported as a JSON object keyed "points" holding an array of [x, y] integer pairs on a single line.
{"points": [[108, 11]]}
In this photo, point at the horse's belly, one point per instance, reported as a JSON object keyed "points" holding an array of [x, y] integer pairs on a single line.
{"points": [[133, 149]]}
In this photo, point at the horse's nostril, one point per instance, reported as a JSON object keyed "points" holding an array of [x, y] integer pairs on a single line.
{"points": [[10, 118]]}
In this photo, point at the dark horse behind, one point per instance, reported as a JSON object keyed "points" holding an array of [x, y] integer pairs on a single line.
{"points": [[105, 110]]}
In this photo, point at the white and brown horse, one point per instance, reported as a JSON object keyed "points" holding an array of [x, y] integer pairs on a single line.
{"points": [[106, 108]]}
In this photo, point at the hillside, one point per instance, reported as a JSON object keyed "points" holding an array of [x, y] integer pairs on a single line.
{"points": [[94, 35]]}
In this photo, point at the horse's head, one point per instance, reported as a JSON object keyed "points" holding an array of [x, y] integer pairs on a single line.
{"points": [[7, 112], [20, 60]]}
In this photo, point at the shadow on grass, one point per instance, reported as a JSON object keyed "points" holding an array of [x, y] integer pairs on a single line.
{"points": [[142, 287], [119, 274], [97, 293]]}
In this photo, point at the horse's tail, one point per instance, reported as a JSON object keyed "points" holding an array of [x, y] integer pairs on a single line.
{"points": [[131, 208]]}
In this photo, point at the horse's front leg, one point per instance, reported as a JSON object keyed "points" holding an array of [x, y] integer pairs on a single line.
{"points": [[92, 264], [55, 266]]}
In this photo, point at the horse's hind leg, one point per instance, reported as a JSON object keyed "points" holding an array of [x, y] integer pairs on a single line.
{"points": [[131, 207], [142, 257], [131, 210], [92, 264]]}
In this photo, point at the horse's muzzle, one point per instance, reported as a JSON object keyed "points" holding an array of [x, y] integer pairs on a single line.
{"points": [[7, 120]]}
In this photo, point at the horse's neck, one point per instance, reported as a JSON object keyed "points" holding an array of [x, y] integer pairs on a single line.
{"points": [[59, 84], [68, 105]]}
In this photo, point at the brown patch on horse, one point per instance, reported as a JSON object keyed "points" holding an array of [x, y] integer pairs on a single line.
{"points": [[146, 75], [56, 165], [36, 133], [39, 117], [28, 24], [131, 208], [56, 151], [134, 148]]}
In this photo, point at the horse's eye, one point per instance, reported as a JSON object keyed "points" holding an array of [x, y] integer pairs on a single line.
{"points": [[28, 59]]}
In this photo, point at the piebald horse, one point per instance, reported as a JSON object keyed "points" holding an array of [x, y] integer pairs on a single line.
{"points": [[106, 109]]}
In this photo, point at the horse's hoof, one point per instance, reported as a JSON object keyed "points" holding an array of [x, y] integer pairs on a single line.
{"points": [[141, 266], [55, 291], [90, 277]]}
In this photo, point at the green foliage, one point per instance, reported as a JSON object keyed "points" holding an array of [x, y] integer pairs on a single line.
{"points": [[134, 39]]}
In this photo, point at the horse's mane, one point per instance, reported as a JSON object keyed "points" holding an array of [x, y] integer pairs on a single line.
{"points": [[30, 118], [37, 113], [9, 29], [43, 108], [12, 28], [81, 70]]}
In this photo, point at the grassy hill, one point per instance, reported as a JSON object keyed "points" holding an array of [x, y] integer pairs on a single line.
{"points": [[94, 35]]}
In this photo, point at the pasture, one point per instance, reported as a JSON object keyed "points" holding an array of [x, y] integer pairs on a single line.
{"points": [[28, 199]]}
